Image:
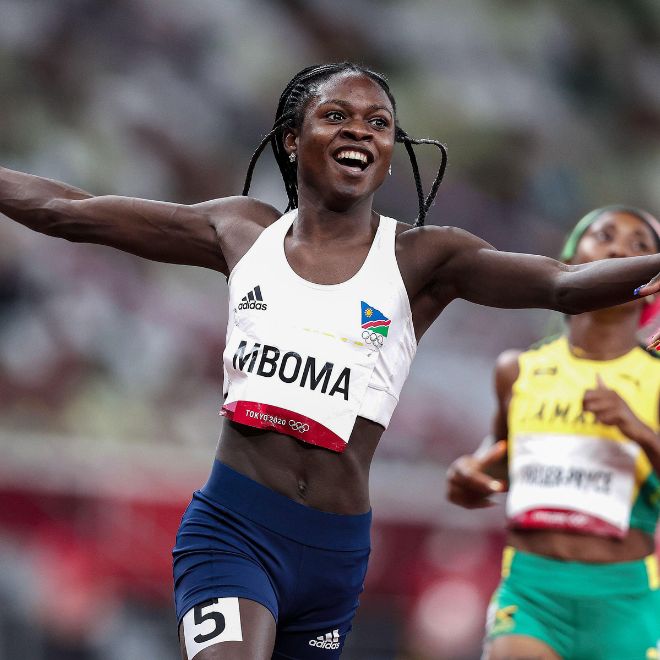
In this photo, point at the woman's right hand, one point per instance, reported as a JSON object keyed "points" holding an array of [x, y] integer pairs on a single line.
{"points": [[468, 483]]}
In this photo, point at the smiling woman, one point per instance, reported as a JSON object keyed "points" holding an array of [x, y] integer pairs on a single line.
{"points": [[272, 552], [308, 84]]}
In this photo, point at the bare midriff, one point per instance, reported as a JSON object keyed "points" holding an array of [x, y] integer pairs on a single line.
{"points": [[567, 546], [317, 477]]}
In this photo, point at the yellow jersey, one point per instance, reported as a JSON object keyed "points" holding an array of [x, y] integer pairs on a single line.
{"points": [[566, 470]]}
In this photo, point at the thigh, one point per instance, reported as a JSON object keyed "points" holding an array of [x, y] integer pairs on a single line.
{"points": [[626, 626], [525, 623], [317, 622], [518, 647], [227, 629], [219, 553]]}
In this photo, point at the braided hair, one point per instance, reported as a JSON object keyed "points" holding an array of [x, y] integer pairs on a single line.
{"points": [[290, 113]]}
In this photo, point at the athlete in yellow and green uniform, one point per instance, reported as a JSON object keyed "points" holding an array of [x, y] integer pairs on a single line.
{"points": [[581, 416]]}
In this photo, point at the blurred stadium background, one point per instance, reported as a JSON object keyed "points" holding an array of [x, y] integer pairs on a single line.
{"points": [[110, 366]]}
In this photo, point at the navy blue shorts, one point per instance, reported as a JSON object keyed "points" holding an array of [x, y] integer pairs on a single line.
{"points": [[239, 538]]}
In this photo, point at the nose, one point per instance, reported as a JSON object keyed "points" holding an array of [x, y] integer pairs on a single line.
{"points": [[614, 251], [357, 131]]}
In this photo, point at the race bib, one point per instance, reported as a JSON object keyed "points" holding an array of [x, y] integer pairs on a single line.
{"points": [[575, 483], [301, 382], [218, 620]]}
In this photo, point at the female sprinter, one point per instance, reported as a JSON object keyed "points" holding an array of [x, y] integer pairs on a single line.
{"points": [[581, 415], [326, 305]]}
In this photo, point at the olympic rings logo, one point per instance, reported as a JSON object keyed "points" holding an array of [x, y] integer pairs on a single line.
{"points": [[373, 338], [298, 426]]}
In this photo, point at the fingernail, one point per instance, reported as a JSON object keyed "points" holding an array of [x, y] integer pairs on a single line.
{"points": [[495, 485], [637, 290]]}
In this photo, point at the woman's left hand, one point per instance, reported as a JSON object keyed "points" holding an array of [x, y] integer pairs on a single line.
{"points": [[651, 287], [609, 408]]}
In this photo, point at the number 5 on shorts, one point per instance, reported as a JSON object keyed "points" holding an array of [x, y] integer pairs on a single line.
{"points": [[209, 623]]}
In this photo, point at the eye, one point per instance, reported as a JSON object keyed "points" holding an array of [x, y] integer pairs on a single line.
{"points": [[379, 122], [602, 235], [334, 115], [642, 246]]}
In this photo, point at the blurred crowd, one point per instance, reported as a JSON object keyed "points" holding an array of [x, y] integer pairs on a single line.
{"points": [[548, 109]]}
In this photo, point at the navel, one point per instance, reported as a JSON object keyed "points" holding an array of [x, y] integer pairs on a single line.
{"points": [[302, 488]]}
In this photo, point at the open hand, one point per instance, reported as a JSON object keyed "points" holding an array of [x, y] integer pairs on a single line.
{"points": [[468, 483]]}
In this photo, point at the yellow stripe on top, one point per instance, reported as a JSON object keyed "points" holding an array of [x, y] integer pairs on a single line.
{"points": [[652, 571], [507, 559]]}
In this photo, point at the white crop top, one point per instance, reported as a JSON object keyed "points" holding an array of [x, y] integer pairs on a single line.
{"points": [[306, 359]]}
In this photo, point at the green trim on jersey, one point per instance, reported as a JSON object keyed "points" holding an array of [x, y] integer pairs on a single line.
{"points": [[644, 514]]}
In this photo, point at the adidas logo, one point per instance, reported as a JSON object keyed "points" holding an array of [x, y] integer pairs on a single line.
{"points": [[253, 300], [328, 641]]}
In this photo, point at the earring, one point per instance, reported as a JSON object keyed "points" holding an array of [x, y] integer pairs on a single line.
{"points": [[292, 157], [390, 170]]}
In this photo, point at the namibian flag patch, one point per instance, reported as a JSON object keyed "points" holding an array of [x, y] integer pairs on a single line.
{"points": [[374, 320]]}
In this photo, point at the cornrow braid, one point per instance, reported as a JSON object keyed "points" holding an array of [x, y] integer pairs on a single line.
{"points": [[290, 113], [430, 198], [401, 136], [255, 156]]}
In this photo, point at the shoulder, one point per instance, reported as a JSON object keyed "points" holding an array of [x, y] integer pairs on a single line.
{"points": [[547, 348], [645, 363], [238, 222], [224, 212], [507, 369], [649, 354], [505, 375], [543, 354], [423, 253], [433, 246], [433, 236]]}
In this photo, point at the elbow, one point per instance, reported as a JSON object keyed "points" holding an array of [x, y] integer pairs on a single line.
{"points": [[563, 301], [566, 297], [59, 219]]}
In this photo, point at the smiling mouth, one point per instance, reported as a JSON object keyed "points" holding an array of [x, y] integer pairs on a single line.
{"points": [[354, 160]]}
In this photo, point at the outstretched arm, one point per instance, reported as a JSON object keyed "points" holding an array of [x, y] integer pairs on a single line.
{"points": [[162, 231], [456, 264]]}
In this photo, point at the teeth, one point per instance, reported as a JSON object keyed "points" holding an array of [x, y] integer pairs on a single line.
{"points": [[354, 155]]}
